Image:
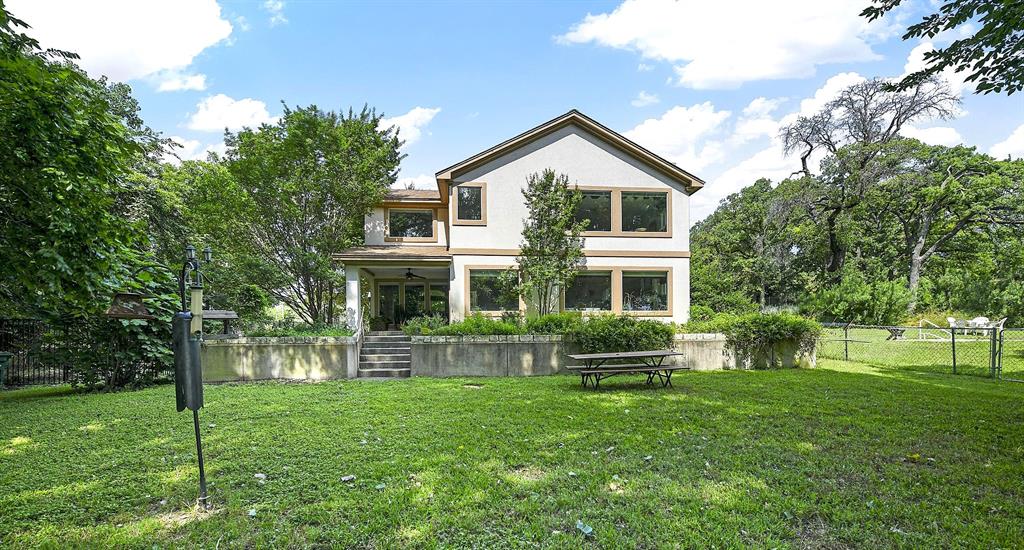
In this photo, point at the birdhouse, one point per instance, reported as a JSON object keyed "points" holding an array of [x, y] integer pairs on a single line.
{"points": [[128, 305]]}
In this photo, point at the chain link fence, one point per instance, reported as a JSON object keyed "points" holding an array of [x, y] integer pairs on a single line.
{"points": [[989, 352]]}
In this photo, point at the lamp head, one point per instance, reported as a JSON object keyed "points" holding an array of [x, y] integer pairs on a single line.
{"points": [[207, 254], [190, 252]]}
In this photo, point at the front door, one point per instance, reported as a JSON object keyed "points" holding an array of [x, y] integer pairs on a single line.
{"points": [[439, 299], [389, 303], [415, 300]]}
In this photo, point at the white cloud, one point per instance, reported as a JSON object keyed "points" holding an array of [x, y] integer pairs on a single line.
{"points": [[276, 10], [644, 99], [1013, 145], [763, 40], [411, 125], [217, 112], [173, 81], [422, 181], [192, 149], [677, 133], [766, 163], [936, 135], [644, 67], [955, 81], [126, 40]]}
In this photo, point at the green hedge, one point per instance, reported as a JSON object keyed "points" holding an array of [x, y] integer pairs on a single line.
{"points": [[604, 333], [610, 333], [759, 332]]}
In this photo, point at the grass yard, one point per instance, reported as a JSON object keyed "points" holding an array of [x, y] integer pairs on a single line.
{"points": [[932, 353], [843, 455]]}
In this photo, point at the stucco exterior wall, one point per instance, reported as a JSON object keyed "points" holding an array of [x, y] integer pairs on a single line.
{"points": [[588, 161], [375, 227]]}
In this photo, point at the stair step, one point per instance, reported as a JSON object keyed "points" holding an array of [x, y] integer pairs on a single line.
{"points": [[384, 373], [385, 364], [377, 357], [386, 349], [385, 333], [392, 338]]}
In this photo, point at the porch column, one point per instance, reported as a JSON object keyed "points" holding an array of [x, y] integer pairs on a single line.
{"points": [[353, 296]]}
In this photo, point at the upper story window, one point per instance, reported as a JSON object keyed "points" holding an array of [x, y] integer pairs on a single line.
{"points": [[411, 224], [470, 204], [596, 208], [644, 211]]}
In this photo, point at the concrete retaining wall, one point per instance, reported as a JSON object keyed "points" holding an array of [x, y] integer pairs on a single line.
{"points": [[265, 358], [525, 355]]}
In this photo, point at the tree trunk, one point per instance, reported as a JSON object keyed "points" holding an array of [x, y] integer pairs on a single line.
{"points": [[837, 254]]}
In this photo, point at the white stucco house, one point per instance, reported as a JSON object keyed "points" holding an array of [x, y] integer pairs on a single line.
{"points": [[440, 250]]}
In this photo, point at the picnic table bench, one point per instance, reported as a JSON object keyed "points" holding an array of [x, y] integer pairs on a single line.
{"points": [[595, 366]]}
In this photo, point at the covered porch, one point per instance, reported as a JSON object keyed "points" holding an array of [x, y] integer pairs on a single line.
{"points": [[389, 284]]}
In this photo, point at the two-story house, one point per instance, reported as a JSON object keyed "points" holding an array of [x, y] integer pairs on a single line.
{"points": [[441, 250]]}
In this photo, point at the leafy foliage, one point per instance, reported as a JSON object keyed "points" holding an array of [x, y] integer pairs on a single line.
{"points": [[611, 333], [288, 328], [552, 251], [423, 325], [300, 190], [555, 323], [479, 325], [993, 52], [856, 299], [760, 332]]}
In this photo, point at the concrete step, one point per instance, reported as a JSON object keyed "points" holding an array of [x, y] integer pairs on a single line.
{"points": [[384, 373], [396, 364], [377, 357], [385, 333], [388, 338], [386, 348]]}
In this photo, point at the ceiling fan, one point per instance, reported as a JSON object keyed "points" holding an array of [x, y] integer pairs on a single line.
{"points": [[409, 275]]}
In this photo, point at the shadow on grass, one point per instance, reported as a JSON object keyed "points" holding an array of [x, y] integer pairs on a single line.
{"points": [[748, 458]]}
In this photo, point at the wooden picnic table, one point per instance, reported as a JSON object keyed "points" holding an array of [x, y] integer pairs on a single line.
{"points": [[595, 366]]}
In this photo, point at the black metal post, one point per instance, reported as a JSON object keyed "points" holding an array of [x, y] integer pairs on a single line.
{"points": [[952, 335], [999, 365], [202, 469], [846, 342], [992, 349]]}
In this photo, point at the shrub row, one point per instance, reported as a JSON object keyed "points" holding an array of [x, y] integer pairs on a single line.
{"points": [[602, 333]]}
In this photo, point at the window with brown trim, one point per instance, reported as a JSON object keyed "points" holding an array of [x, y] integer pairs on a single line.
{"points": [[590, 291], [411, 223], [644, 211], [645, 290], [485, 292], [596, 208], [470, 204]]}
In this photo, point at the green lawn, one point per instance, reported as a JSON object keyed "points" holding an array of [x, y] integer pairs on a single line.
{"points": [[928, 350], [843, 455]]}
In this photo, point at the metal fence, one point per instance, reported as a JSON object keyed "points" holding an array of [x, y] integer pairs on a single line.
{"points": [[991, 352], [85, 352]]}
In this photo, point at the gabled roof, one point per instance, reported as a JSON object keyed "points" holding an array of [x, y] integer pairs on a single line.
{"points": [[414, 195], [691, 182]]}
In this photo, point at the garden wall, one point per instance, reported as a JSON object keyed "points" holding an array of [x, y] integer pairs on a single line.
{"points": [[266, 358], [517, 355]]}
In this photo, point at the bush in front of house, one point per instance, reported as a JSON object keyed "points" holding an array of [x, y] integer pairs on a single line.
{"points": [[760, 332], [288, 327], [705, 320], [611, 333], [565, 322], [426, 324], [479, 325]]}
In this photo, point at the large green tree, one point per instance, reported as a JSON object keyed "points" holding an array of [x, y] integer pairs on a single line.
{"points": [[68, 147], [992, 51], [302, 187]]}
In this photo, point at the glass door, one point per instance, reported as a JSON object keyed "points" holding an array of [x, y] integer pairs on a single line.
{"points": [[415, 300], [439, 299], [388, 303]]}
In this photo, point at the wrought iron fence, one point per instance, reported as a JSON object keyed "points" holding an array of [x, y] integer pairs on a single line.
{"points": [[92, 352], [983, 351]]}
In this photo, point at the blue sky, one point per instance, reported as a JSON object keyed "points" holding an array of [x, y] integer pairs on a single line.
{"points": [[704, 84]]}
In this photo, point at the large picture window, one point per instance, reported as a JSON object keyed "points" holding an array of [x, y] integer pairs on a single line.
{"points": [[645, 290], [485, 292], [470, 204], [644, 212], [411, 224], [590, 291], [596, 207]]}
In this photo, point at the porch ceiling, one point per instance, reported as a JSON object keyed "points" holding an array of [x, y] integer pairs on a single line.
{"points": [[430, 273]]}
